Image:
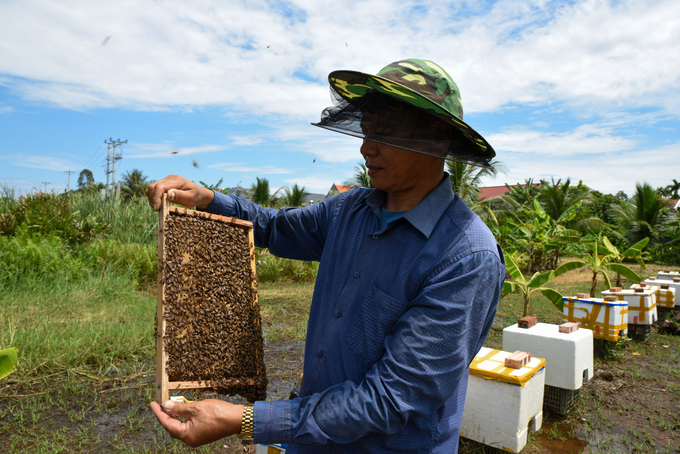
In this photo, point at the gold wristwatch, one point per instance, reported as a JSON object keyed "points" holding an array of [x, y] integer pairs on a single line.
{"points": [[247, 422]]}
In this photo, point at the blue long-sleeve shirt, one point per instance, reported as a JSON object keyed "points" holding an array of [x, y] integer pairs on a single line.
{"points": [[397, 315]]}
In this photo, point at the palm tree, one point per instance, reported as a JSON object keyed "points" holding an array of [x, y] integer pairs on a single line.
{"points": [[260, 193], [360, 179], [465, 178], [465, 181], [294, 196], [524, 194], [558, 198], [642, 215], [672, 189], [134, 183]]}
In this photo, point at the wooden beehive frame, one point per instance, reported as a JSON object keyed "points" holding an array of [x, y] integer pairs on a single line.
{"points": [[163, 385]]}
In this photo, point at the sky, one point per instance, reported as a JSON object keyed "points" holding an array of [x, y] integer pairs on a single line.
{"points": [[587, 90]]}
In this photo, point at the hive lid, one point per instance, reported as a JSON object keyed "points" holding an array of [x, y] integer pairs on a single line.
{"points": [[490, 364]]}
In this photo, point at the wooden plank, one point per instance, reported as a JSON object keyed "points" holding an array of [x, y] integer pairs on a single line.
{"points": [[204, 215], [162, 391], [202, 384]]}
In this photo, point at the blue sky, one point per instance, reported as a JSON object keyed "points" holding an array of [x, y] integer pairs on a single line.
{"points": [[582, 89]]}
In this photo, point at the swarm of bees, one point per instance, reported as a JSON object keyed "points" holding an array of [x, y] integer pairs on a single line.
{"points": [[213, 330]]}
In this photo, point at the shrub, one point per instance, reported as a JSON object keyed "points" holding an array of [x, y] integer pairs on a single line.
{"points": [[272, 269]]}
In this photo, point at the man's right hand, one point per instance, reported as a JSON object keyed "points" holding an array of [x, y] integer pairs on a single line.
{"points": [[181, 191]]}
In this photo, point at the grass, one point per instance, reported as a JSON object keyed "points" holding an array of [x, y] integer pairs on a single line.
{"points": [[86, 369]]}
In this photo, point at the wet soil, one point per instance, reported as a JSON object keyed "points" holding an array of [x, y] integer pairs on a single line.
{"points": [[631, 404]]}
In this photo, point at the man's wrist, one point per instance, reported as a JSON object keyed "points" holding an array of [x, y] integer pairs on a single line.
{"points": [[207, 196], [247, 422]]}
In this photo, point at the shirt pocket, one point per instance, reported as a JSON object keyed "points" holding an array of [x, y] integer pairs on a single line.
{"points": [[379, 312]]}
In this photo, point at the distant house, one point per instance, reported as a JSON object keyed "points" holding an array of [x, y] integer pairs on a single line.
{"points": [[673, 204], [310, 198], [238, 191], [492, 191], [338, 189]]}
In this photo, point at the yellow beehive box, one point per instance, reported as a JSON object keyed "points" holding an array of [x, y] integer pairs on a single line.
{"points": [[607, 319], [503, 404]]}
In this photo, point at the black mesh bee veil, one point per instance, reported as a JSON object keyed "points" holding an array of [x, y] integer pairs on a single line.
{"points": [[383, 119]]}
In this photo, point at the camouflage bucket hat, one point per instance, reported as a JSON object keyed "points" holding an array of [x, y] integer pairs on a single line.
{"points": [[426, 88]]}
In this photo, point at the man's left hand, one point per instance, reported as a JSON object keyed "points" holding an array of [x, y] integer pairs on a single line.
{"points": [[206, 421]]}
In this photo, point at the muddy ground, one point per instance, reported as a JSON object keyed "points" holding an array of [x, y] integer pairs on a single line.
{"points": [[632, 404]]}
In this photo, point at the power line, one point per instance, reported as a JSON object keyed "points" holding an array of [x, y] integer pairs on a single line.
{"points": [[45, 183], [111, 160], [69, 172]]}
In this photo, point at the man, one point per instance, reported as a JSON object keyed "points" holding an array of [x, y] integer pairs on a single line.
{"points": [[408, 283]]}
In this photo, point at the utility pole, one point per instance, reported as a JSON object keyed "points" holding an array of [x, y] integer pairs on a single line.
{"points": [[68, 188], [108, 160], [45, 183], [115, 158]]}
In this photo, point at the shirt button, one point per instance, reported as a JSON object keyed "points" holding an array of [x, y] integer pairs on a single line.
{"points": [[375, 237], [356, 274], [320, 354], [338, 314]]}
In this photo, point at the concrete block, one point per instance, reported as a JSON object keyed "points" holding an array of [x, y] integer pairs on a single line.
{"points": [[517, 360], [528, 321], [568, 327]]}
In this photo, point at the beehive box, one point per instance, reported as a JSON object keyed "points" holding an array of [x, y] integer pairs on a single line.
{"points": [[607, 320], [669, 282], [568, 356], [208, 328], [641, 303], [503, 404], [665, 297], [667, 275]]}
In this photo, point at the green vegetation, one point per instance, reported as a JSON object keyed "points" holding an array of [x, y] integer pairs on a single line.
{"points": [[77, 291]]}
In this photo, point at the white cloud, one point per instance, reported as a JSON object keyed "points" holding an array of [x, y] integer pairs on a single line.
{"points": [[41, 162], [605, 172], [255, 57], [586, 139]]}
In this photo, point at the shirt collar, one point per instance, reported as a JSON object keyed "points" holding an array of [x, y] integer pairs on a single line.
{"points": [[426, 214]]}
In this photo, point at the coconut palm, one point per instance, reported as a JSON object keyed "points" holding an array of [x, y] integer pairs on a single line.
{"points": [[465, 181], [643, 215], [294, 197], [672, 189], [260, 192], [360, 179], [558, 198], [134, 183]]}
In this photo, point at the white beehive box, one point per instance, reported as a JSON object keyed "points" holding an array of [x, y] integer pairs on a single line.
{"points": [[665, 297], [667, 275], [670, 282], [502, 404], [568, 357], [606, 319], [641, 305]]}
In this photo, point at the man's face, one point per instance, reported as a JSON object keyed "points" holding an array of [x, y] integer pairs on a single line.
{"points": [[393, 169]]}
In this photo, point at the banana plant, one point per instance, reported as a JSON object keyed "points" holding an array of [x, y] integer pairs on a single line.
{"points": [[602, 259], [9, 358], [634, 252], [536, 283]]}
